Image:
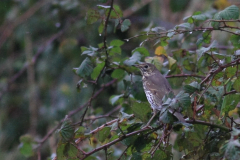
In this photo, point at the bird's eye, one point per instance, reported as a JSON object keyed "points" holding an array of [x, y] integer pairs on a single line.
{"points": [[146, 66]]}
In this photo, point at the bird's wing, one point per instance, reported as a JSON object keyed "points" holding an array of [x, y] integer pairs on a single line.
{"points": [[158, 87], [158, 84]]}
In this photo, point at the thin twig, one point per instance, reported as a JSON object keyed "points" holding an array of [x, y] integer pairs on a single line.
{"points": [[105, 149], [184, 75], [106, 60], [208, 124], [219, 69], [123, 152], [230, 92]]}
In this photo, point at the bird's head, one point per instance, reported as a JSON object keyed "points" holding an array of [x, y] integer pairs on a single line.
{"points": [[146, 68]]}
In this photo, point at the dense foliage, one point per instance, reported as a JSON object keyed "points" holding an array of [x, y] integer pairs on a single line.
{"points": [[200, 57]]}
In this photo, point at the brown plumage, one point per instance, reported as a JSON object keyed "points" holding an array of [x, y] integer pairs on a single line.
{"points": [[155, 87]]}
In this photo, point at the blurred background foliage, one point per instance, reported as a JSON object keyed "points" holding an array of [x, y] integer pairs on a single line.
{"points": [[40, 44]]}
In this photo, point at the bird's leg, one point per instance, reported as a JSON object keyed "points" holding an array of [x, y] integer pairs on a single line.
{"points": [[154, 114]]}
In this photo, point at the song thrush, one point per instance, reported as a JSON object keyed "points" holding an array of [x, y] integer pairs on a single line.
{"points": [[155, 86]]}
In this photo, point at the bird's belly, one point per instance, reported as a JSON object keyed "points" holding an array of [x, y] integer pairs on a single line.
{"points": [[152, 100]]}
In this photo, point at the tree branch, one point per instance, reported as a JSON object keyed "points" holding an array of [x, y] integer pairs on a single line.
{"points": [[184, 75], [115, 141], [219, 69], [209, 124]]}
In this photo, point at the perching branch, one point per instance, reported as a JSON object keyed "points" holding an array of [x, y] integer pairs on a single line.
{"points": [[209, 124], [184, 75]]}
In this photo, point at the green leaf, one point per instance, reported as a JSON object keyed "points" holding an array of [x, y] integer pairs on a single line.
{"points": [[236, 84], [103, 134], [67, 151], [141, 50], [231, 71], [85, 69], [199, 42], [203, 50], [164, 41], [26, 147], [80, 132], [97, 70], [197, 16], [125, 25], [207, 36], [200, 17], [218, 79], [184, 99], [166, 117], [118, 74], [188, 65], [115, 98], [230, 149], [60, 151], [66, 131], [170, 33], [136, 57], [229, 103], [185, 25], [100, 28], [158, 29], [116, 42], [231, 12], [217, 91], [92, 16], [71, 151], [160, 153], [129, 141], [192, 87], [91, 51], [141, 110], [115, 13], [115, 50], [235, 39]]}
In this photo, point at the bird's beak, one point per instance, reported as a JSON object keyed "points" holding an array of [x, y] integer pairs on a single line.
{"points": [[137, 65]]}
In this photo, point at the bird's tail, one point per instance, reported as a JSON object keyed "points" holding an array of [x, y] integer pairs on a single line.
{"points": [[178, 115]]}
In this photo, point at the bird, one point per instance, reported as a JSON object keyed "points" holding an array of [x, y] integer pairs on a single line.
{"points": [[155, 86]]}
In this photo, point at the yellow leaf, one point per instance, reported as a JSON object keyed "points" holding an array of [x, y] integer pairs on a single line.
{"points": [[221, 4], [171, 61], [160, 51], [232, 112]]}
